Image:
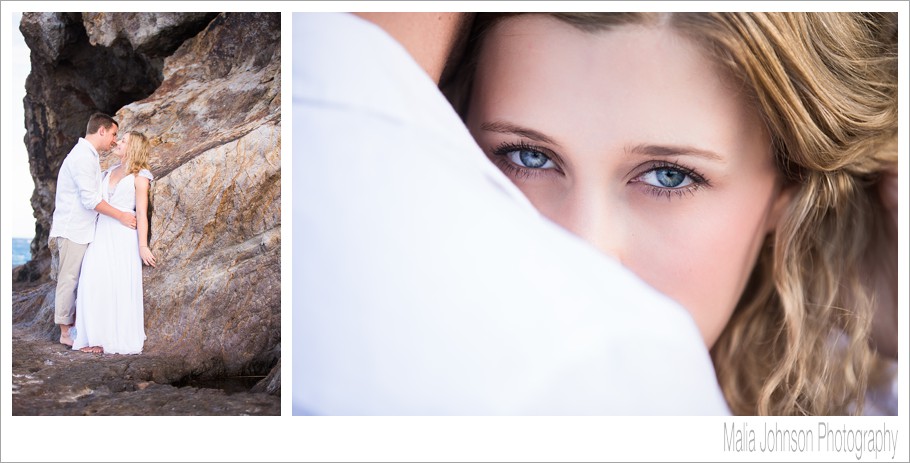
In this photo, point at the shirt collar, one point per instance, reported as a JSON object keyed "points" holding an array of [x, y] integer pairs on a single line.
{"points": [[90, 146]]}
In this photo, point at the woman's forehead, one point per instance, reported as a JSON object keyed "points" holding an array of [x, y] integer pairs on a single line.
{"points": [[631, 81]]}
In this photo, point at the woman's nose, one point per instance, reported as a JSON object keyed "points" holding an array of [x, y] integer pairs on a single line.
{"points": [[595, 215]]}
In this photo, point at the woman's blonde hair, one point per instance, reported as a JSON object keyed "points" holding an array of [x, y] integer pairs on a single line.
{"points": [[825, 85], [137, 153]]}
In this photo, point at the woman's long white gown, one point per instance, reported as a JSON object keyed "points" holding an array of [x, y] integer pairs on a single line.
{"points": [[109, 311]]}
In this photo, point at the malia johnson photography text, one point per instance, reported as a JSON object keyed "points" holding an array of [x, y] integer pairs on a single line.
{"points": [[825, 437]]}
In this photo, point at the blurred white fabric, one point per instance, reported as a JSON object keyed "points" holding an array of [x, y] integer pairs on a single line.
{"points": [[426, 284]]}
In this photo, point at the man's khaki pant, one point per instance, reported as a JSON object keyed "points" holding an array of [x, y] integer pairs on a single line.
{"points": [[70, 263]]}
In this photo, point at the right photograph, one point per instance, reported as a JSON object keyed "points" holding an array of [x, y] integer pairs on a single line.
{"points": [[595, 214]]}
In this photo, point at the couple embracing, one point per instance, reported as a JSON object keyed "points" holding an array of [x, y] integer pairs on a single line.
{"points": [[100, 233]]}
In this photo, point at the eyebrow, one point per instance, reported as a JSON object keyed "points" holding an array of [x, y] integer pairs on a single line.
{"points": [[664, 151], [644, 149], [506, 127]]}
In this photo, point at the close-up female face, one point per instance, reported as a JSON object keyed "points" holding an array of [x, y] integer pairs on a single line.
{"points": [[632, 139]]}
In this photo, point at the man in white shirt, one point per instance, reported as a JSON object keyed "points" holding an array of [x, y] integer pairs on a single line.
{"points": [[76, 206], [425, 283]]}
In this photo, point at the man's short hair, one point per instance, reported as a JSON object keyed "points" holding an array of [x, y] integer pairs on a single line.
{"points": [[98, 120]]}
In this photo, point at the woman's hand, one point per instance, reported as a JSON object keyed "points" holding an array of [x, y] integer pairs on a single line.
{"points": [[146, 254], [128, 219]]}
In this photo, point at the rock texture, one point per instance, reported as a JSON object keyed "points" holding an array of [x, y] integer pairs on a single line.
{"points": [[206, 90], [152, 35]]}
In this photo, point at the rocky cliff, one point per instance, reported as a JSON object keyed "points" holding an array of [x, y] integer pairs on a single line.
{"points": [[205, 89]]}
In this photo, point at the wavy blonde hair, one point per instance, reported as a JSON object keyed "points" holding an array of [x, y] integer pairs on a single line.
{"points": [[137, 153], [825, 85]]}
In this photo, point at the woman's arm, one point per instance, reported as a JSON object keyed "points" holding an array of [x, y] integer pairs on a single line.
{"points": [[142, 220]]}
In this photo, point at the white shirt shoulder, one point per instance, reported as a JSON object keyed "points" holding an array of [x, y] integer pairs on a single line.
{"points": [[424, 282]]}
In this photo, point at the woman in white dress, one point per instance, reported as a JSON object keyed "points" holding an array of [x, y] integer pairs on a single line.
{"points": [[109, 309]]}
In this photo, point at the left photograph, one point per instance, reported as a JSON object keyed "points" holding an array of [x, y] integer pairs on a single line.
{"points": [[152, 282]]}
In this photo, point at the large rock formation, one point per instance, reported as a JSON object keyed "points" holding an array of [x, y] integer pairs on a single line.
{"points": [[205, 88], [71, 78]]}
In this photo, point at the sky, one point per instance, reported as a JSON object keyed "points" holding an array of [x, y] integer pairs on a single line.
{"points": [[17, 196]]}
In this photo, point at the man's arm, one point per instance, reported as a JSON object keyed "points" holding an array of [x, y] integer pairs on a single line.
{"points": [[126, 218], [90, 193], [84, 170]]}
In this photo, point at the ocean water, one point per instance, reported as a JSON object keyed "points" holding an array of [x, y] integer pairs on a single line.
{"points": [[21, 251]]}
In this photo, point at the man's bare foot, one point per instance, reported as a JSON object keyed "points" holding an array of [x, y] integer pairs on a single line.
{"points": [[65, 337], [92, 350]]}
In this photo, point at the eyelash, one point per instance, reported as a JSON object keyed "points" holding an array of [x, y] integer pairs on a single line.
{"points": [[698, 180], [517, 171]]}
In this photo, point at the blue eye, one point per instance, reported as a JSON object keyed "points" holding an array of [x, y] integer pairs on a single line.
{"points": [[667, 178], [530, 159]]}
